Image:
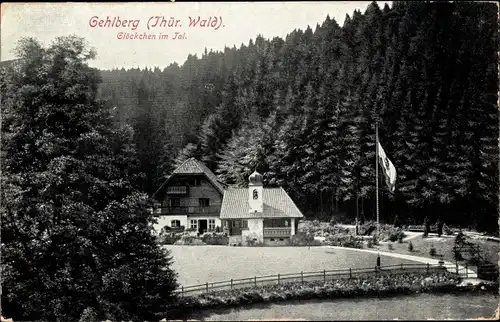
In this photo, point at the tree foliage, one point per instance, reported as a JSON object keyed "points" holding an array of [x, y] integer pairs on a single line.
{"points": [[76, 235], [426, 72]]}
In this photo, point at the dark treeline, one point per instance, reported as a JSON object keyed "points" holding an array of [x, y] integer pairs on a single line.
{"points": [[302, 110]]}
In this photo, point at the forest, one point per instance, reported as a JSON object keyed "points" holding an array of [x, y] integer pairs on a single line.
{"points": [[302, 111]]}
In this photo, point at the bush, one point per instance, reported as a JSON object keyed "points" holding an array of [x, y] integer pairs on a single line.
{"points": [[169, 238], [439, 227], [390, 247], [397, 235], [302, 239], [344, 240], [406, 283], [410, 246], [189, 240], [321, 229], [447, 231], [426, 227], [214, 238], [432, 251], [396, 224], [369, 244]]}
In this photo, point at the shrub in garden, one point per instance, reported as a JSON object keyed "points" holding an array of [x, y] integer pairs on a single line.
{"points": [[439, 227], [396, 224], [390, 247], [426, 227], [169, 238], [410, 246], [343, 240], [368, 285], [302, 239], [396, 235], [447, 231], [432, 251], [214, 238], [189, 240], [369, 244]]}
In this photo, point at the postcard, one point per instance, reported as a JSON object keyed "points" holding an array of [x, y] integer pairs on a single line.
{"points": [[249, 161]]}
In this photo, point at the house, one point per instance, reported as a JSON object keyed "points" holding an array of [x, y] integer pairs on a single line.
{"points": [[259, 215], [190, 197]]}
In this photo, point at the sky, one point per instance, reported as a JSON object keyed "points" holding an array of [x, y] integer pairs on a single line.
{"points": [[236, 23]]}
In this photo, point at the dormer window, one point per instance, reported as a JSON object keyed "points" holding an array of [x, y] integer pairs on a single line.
{"points": [[255, 194]]}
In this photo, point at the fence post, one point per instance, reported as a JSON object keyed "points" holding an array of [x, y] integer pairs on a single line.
{"points": [[466, 270], [376, 271], [182, 290], [324, 275], [402, 268], [302, 277], [231, 283], [207, 287], [278, 279], [456, 267], [255, 280], [427, 268], [350, 273]]}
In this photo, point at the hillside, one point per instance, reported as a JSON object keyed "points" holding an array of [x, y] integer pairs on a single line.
{"points": [[303, 111]]}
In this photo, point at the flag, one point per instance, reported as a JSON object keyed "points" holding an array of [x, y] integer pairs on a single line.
{"points": [[388, 168]]}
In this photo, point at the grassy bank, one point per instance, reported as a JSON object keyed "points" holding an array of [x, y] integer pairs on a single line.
{"points": [[443, 247], [389, 285]]}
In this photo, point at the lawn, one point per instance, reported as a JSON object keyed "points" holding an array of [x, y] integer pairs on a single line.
{"points": [[201, 264], [443, 246]]}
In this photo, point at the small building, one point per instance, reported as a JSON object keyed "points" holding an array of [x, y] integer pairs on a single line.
{"points": [[258, 215], [191, 197]]}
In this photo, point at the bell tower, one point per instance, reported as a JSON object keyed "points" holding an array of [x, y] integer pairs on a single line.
{"points": [[255, 190]]}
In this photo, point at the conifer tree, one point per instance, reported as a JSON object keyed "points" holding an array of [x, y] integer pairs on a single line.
{"points": [[76, 235]]}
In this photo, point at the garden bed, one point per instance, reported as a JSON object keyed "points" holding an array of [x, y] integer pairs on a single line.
{"points": [[401, 284]]}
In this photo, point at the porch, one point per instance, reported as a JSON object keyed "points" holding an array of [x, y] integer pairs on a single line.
{"points": [[270, 228]]}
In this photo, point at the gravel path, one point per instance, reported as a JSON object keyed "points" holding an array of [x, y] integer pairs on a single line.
{"points": [[449, 266]]}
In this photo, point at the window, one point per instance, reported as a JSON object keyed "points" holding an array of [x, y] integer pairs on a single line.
{"points": [[255, 194], [194, 224], [211, 224], [175, 202], [276, 223], [204, 202], [195, 182], [175, 223], [272, 239], [281, 239]]}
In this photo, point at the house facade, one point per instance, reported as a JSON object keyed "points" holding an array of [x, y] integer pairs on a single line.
{"points": [[191, 197], [258, 215]]}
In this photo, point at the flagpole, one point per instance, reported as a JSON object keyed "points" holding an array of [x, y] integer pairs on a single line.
{"points": [[376, 173], [376, 191]]}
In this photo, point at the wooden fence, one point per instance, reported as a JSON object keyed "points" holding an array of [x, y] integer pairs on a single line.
{"points": [[302, 277]]}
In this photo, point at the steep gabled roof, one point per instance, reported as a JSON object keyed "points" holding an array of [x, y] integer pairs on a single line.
{"points": [[277, 204], [193, 166]]}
